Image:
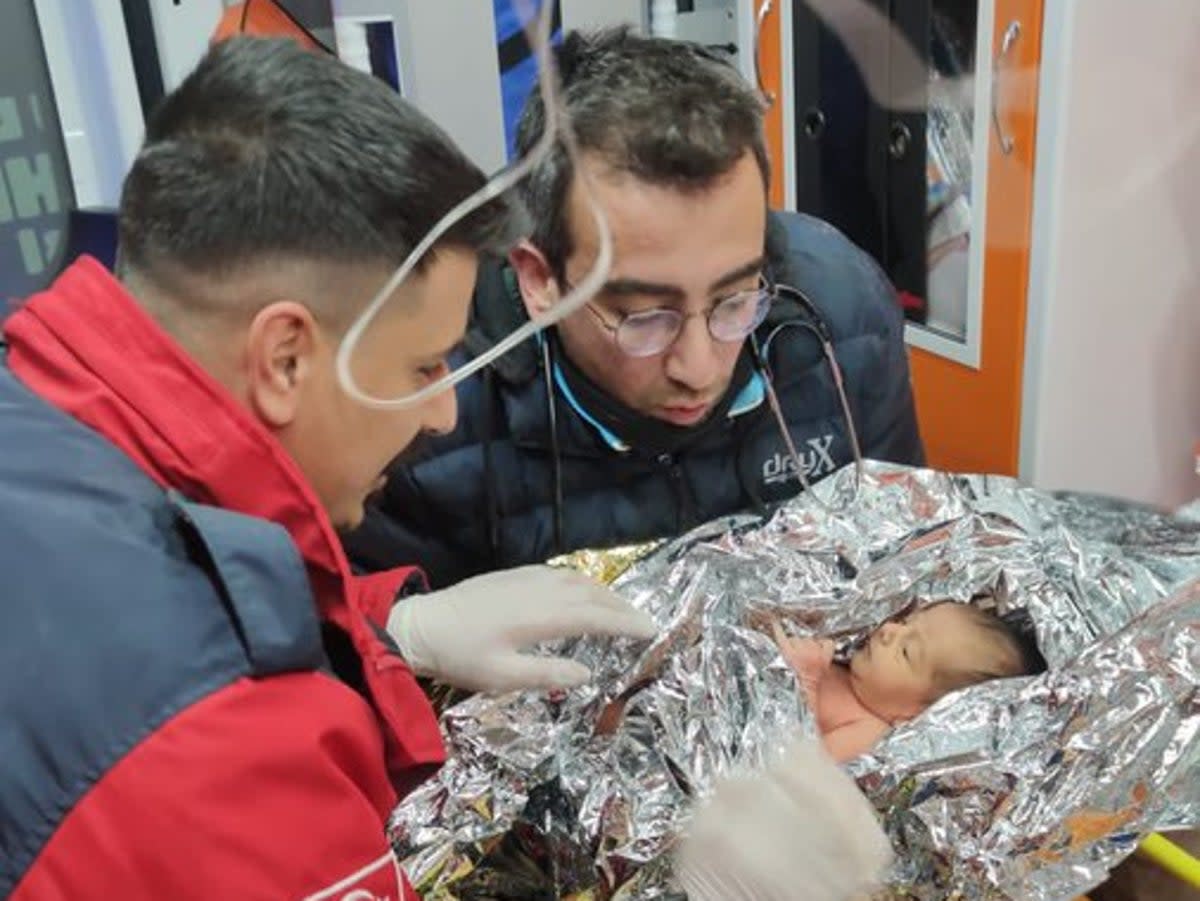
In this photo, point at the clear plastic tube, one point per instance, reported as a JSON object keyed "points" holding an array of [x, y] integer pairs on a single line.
{"points": [[557, 126]]}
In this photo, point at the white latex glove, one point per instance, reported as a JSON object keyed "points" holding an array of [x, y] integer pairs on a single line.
{"points": [[801, 831], [471, 635]]}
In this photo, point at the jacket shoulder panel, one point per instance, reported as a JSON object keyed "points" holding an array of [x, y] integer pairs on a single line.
{"points": [[119, 613], [844, 282], [268, 788]]}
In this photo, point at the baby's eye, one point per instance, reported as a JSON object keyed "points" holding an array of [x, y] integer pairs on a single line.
{"points": [[904, 651]]}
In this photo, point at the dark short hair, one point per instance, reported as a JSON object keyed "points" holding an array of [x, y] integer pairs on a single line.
{"points": [[270, 150], [668, 112], [1014, 632], [1021, 630]]}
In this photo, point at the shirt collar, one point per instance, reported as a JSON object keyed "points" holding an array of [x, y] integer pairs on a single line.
{"points": [[750, 397], [87, 347]]}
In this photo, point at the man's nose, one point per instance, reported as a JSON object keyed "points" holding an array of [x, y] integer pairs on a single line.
{"points": [[692, 359]]}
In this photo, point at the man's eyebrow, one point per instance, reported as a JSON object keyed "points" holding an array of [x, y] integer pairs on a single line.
{"points": [[627, 287], [736, 275]]}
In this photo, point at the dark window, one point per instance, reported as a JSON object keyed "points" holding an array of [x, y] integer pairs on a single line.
{"points": [[35, 182]]}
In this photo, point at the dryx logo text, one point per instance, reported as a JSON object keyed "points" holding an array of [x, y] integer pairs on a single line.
{"points": [[816, 460]]}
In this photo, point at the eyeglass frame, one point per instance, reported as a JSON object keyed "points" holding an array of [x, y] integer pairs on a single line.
{"points": [[766, 291]]}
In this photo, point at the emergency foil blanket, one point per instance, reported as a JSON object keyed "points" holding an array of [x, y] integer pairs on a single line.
{"points": [[1015, 789]]}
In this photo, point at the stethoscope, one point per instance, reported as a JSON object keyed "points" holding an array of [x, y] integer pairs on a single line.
{"points": [[815, 323]]}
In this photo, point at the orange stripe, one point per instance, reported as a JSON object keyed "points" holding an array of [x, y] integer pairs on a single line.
{"points": [[770, 60], [263, 19]]}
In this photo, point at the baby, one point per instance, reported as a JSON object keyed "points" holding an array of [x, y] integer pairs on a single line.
{"points": [[904, 666]]}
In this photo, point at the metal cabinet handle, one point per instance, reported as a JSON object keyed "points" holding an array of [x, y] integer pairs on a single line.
{"points": [[1011, 33], [764, 10]]}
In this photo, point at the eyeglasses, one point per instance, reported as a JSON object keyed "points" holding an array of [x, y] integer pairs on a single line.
{"points": [[651, 332]]}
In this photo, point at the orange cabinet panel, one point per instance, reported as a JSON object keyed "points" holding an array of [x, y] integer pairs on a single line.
{"points": [[970, 418]]}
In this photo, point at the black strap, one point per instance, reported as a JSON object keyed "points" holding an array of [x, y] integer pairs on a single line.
{"points": [[515, 49], [147, 70], [555, 453], [491, 398]]}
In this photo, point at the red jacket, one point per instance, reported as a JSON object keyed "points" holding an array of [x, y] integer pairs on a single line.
{"points": [[274, 787]]}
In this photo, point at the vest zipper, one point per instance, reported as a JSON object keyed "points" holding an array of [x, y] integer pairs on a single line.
{"points": [[684, 506]]}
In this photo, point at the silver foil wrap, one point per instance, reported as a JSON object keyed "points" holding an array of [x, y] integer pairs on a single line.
{"points": [[1027, 789]]}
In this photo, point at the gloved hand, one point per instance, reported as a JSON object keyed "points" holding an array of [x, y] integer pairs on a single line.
{"points": [[801, 831], [471, 635]]}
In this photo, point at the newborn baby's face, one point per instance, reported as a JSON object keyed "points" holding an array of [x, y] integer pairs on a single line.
{"points": [[906, 664]]}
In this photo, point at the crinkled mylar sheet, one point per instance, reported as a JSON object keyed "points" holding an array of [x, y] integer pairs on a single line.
{"points": [[1026, 789]]}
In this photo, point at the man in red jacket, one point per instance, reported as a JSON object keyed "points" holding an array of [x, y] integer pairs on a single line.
{"points": [[197, 698], [179, 722]]}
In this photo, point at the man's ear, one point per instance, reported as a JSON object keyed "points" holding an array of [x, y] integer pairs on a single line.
{"points": [[280, 348], [539, 288]]}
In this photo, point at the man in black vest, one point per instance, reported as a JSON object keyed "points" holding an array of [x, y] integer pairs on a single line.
{"points": [[647, 412]]}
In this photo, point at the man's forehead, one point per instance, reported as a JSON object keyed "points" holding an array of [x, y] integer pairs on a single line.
{"points": [[642, 217]]}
